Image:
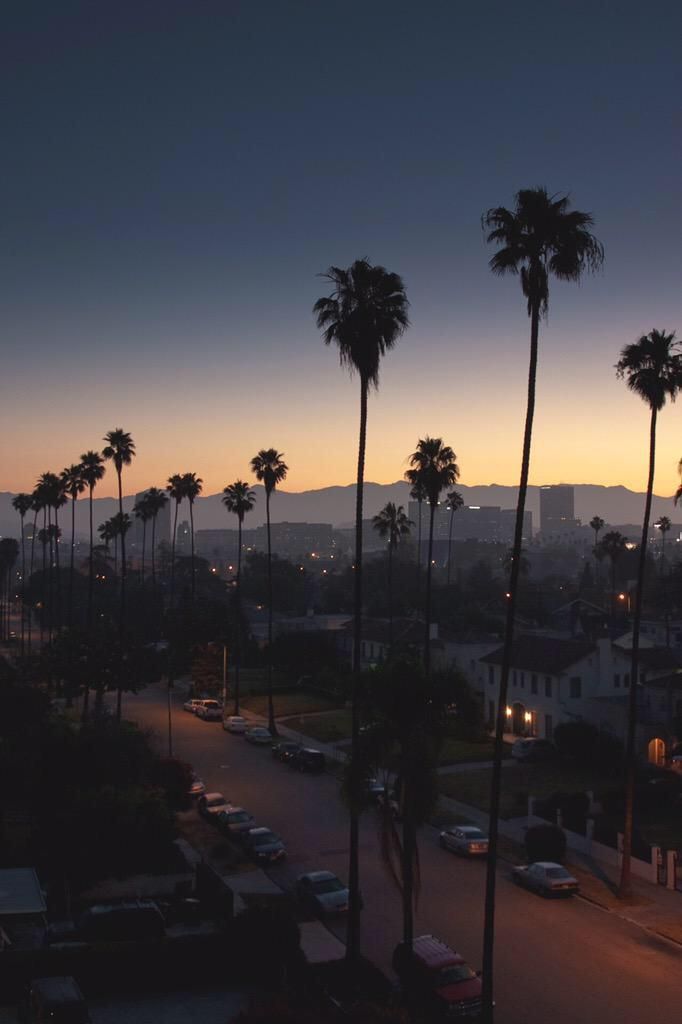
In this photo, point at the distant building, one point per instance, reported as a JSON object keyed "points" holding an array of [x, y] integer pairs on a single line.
{"points": [[488, 523], [557, 509], [294, 540], [183, 539]]}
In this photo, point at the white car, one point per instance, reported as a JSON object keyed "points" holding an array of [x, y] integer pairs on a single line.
{"points": [[546, 878], [465, 839], [192, 704], [258, 734], [210, 711], [234, 723], [322, 892], [210, 805]]}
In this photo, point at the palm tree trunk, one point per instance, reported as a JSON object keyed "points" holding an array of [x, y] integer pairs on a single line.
{"points": [[495, 786], [427, 602], [144, 545], [666, 603], [191, 534], [154, 549], [237, 635], [23, 589], [452, 516], [353, 933], [175, 533], [90, 562], [390, 595], [613, 591], [73, 542], [30, 611], [122, 610], [272, 725], [625, 887], [58, 582], [419, 540]]}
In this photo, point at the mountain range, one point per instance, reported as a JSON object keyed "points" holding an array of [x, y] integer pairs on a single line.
{"points": [[336, 505]]}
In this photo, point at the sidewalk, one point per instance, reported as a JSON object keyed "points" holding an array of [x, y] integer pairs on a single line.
{"points": [[653, 907]]}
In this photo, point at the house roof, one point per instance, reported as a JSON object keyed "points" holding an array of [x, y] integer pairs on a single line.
{"points": [[20, 892], [672, 680], [660, 657], [543, 654]]}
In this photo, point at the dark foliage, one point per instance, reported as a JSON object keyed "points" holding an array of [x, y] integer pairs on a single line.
{"points": [[545, 842]]}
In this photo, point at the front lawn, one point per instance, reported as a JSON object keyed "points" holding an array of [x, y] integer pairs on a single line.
{"points": [[326, 728], [464, 751], [294, 703]]}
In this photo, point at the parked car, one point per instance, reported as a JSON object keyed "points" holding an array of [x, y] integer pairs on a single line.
{"points": [[55, 1000], [264, 845], [442, 981], [308, 760], [546, 878], [465, 839], [210, 711], [235, 821], [197, 788], [192, 704], [122, 922], [322, 892], [234, 723], [532, 748], [284, 750], [211, 804], [258, 734]]}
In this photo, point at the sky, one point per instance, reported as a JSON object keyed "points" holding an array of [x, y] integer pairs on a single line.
{"points": [[176, 175]]}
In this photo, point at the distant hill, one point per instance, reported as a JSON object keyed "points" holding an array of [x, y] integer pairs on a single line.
{"points": [[336, 505]]}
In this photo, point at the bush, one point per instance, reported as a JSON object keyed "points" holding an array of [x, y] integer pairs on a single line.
{"points": [[593, 747], [545, 842], [573, 807]]}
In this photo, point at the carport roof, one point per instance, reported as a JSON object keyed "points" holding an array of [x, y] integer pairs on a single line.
{"points": [[20, 892]]}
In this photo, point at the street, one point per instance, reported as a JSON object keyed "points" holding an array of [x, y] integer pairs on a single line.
{"points": [[563, 961]]}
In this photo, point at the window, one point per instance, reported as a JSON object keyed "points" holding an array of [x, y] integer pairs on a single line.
{"points": [[575, 687], [626, 680], [523, 680], [548, 686], [514, 677], [549, 727], [491, 674], [616, 680], [533, 684]]}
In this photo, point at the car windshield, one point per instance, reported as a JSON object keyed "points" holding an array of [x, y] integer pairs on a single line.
{"points": [[215, 801], [475, 833], [265, 837], [454, 974], [211, 704], [237, 816], [326, 885], [557, 873]]}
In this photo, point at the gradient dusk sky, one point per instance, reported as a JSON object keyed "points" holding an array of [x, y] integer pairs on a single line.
{"points": [[175, 174]]}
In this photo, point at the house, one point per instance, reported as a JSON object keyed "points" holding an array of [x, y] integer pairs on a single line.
{"points": [[408, 637], [23, 921]]}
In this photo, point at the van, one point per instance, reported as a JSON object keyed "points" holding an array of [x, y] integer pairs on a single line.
{"points": [[54, 1001]]}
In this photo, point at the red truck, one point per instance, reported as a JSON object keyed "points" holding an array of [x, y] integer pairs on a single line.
{"points": [[441, 979]]}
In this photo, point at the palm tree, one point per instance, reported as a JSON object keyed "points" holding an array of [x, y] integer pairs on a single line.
{"points": [[664, 525], [23, 503], [436, 467], [239, 499], [193, 486], [120, 449], [540, 237], [597, 524], [652, 368], [455, 502], [107, 533], [392, 523], [156, 500], [417, 494], [9, 551], [176, 491], [364, 316], [143, 513], [74, 484], [92, 470], [270, 469]]}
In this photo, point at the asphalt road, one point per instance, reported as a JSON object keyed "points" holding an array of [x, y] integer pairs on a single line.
{"points": [[561, 961]]}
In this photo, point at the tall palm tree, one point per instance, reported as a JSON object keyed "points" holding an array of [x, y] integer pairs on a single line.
{"points": [[156, 500], [365, 315], [597, 524], [143, 513], [176, 492], [391, 523], [418, 494], [270, 469], [455, 502], [92, 470], [664, 525], [652, 368], [9, 551], [120, 449], [74, 484], [239, 499], [540, 237], [436, 467], [23, 503], [193, 486]]}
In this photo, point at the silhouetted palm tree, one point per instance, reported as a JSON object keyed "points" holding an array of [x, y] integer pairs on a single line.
{"points": [[418, 494], [391, 523], [23, 503], [143, 513], [270, 469], [92, 470], [192, 485], [540, 237], [455, 502], [652, 368], [156, 500], [9, 551], [74, 484], [664, 525], [120, 449], [436, 467], [364, 316], [176, 492], [613, 546], [597, 524], [240, 500]]}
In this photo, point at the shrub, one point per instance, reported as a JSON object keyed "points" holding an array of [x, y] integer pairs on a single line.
{"points": [[545, 842]]}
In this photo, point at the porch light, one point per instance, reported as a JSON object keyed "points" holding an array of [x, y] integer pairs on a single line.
{"points": [[508, 711], [527, 717]]}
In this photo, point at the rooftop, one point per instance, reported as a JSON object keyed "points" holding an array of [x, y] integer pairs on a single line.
{"points": [[543, 654], [20, 892]]}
